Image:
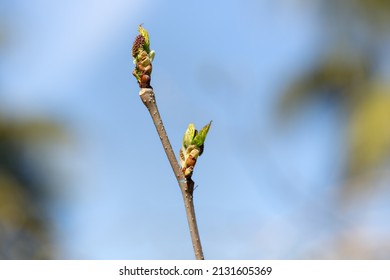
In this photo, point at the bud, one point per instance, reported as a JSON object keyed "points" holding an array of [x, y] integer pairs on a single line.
{"points": [[142, 58], [192, 148]]}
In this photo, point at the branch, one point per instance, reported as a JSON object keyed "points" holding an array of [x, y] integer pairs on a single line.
{"points": [[193, 142], [186, 184]]}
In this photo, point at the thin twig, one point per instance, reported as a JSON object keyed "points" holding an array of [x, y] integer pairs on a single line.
{"points": [[186, 185]]}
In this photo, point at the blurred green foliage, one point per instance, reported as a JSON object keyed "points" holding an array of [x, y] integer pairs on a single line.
{"points": [[349, 74], [369, 130], [24, 222], [25, 228]]}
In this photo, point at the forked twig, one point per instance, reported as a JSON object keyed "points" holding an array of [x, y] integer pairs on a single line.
{"points": [[192, 142]]}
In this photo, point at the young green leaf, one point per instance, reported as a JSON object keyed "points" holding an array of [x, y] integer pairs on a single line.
{"points": [[201, 136], [144, 33], [189, 135]]}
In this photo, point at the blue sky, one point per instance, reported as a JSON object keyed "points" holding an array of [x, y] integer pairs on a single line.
{"points": [[223, 61]]}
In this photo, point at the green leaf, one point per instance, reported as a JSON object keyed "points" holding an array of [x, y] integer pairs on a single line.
{"points": [[201, 136], [189, 135], [144, 33]]}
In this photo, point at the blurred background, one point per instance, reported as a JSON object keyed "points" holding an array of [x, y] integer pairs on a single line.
{"points": [[296, 164]]}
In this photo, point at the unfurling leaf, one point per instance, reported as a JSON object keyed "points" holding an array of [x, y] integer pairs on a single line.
{"points": [[201, 136], [144, 33], [189, 135]]}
